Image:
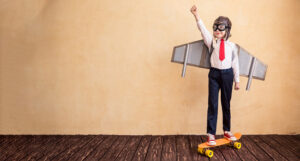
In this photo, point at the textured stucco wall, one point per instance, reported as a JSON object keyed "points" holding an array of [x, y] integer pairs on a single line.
{"points": [[103, 67]]}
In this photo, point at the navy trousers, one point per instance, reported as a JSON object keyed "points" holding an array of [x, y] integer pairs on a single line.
{"points": [[219, 79]]}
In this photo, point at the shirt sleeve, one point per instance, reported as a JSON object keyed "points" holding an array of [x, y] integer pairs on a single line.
{"points": [[207, 37], [235, 64]]}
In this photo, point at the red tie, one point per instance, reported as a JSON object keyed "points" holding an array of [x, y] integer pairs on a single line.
{"points": [[222, 51]]}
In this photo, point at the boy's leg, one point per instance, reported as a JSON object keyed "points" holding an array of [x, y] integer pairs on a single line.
{"points": [[226, 91], [212, 111]]}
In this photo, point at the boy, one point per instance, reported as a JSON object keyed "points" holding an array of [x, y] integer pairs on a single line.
{"points": [[224, 69]]}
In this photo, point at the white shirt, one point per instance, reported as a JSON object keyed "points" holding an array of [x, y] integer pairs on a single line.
{"points": [[231, 49]]}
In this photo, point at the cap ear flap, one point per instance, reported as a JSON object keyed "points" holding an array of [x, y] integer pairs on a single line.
{"points": [[228, 34]]}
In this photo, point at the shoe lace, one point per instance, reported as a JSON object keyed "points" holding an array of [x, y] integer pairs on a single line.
{"points": [[211, 137]]}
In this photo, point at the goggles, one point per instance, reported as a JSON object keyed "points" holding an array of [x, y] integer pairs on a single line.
{"points": [[220, 27]]}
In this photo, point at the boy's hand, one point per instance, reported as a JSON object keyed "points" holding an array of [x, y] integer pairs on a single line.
{"points": [[194, 10], [236, 86]]}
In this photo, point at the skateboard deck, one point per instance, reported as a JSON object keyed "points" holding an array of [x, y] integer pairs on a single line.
{"points": [[204, 147]]}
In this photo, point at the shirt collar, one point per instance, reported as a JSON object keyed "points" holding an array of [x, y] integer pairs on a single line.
{"points": [[218, 40]]}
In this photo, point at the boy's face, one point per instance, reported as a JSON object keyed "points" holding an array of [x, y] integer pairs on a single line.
{"points": [[219, 30], [219, 34]]}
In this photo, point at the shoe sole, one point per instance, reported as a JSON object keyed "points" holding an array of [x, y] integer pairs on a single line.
{"points": [[212, 144], [229, 139]]}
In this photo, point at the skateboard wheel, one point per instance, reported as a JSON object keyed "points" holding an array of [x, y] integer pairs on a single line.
{"points": [[209, 153], [201, 150], [237, 145]]}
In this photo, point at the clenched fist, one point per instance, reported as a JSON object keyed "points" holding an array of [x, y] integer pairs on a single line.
{"points": [[236, 86], [194, 10]]}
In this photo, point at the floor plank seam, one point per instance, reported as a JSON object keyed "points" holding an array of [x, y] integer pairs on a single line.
{"points": [[292, 151], [250, 151], [162, 147], [273, 148], [148, 147], [137, 147], [104, 138], [261, 147]]}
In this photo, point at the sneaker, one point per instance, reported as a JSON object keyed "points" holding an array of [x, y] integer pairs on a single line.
{"points": [[228, 135], [211, 139]]}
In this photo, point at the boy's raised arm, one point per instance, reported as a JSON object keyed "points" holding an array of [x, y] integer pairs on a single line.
{"points": [[207, 37]]}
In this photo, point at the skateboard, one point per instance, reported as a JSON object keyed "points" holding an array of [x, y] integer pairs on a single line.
{"points": [[204, 148]]}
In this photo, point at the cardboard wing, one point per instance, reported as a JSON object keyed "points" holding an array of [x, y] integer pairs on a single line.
{"points": [[196, 54]]}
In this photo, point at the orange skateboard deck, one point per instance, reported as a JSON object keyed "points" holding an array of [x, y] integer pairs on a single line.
{"points": [[204, 147]]}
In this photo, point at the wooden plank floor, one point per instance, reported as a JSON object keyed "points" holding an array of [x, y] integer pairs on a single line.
{"points": [[147, 147]]}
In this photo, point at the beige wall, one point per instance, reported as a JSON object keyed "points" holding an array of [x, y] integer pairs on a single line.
{"points": [[103, 67]]}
